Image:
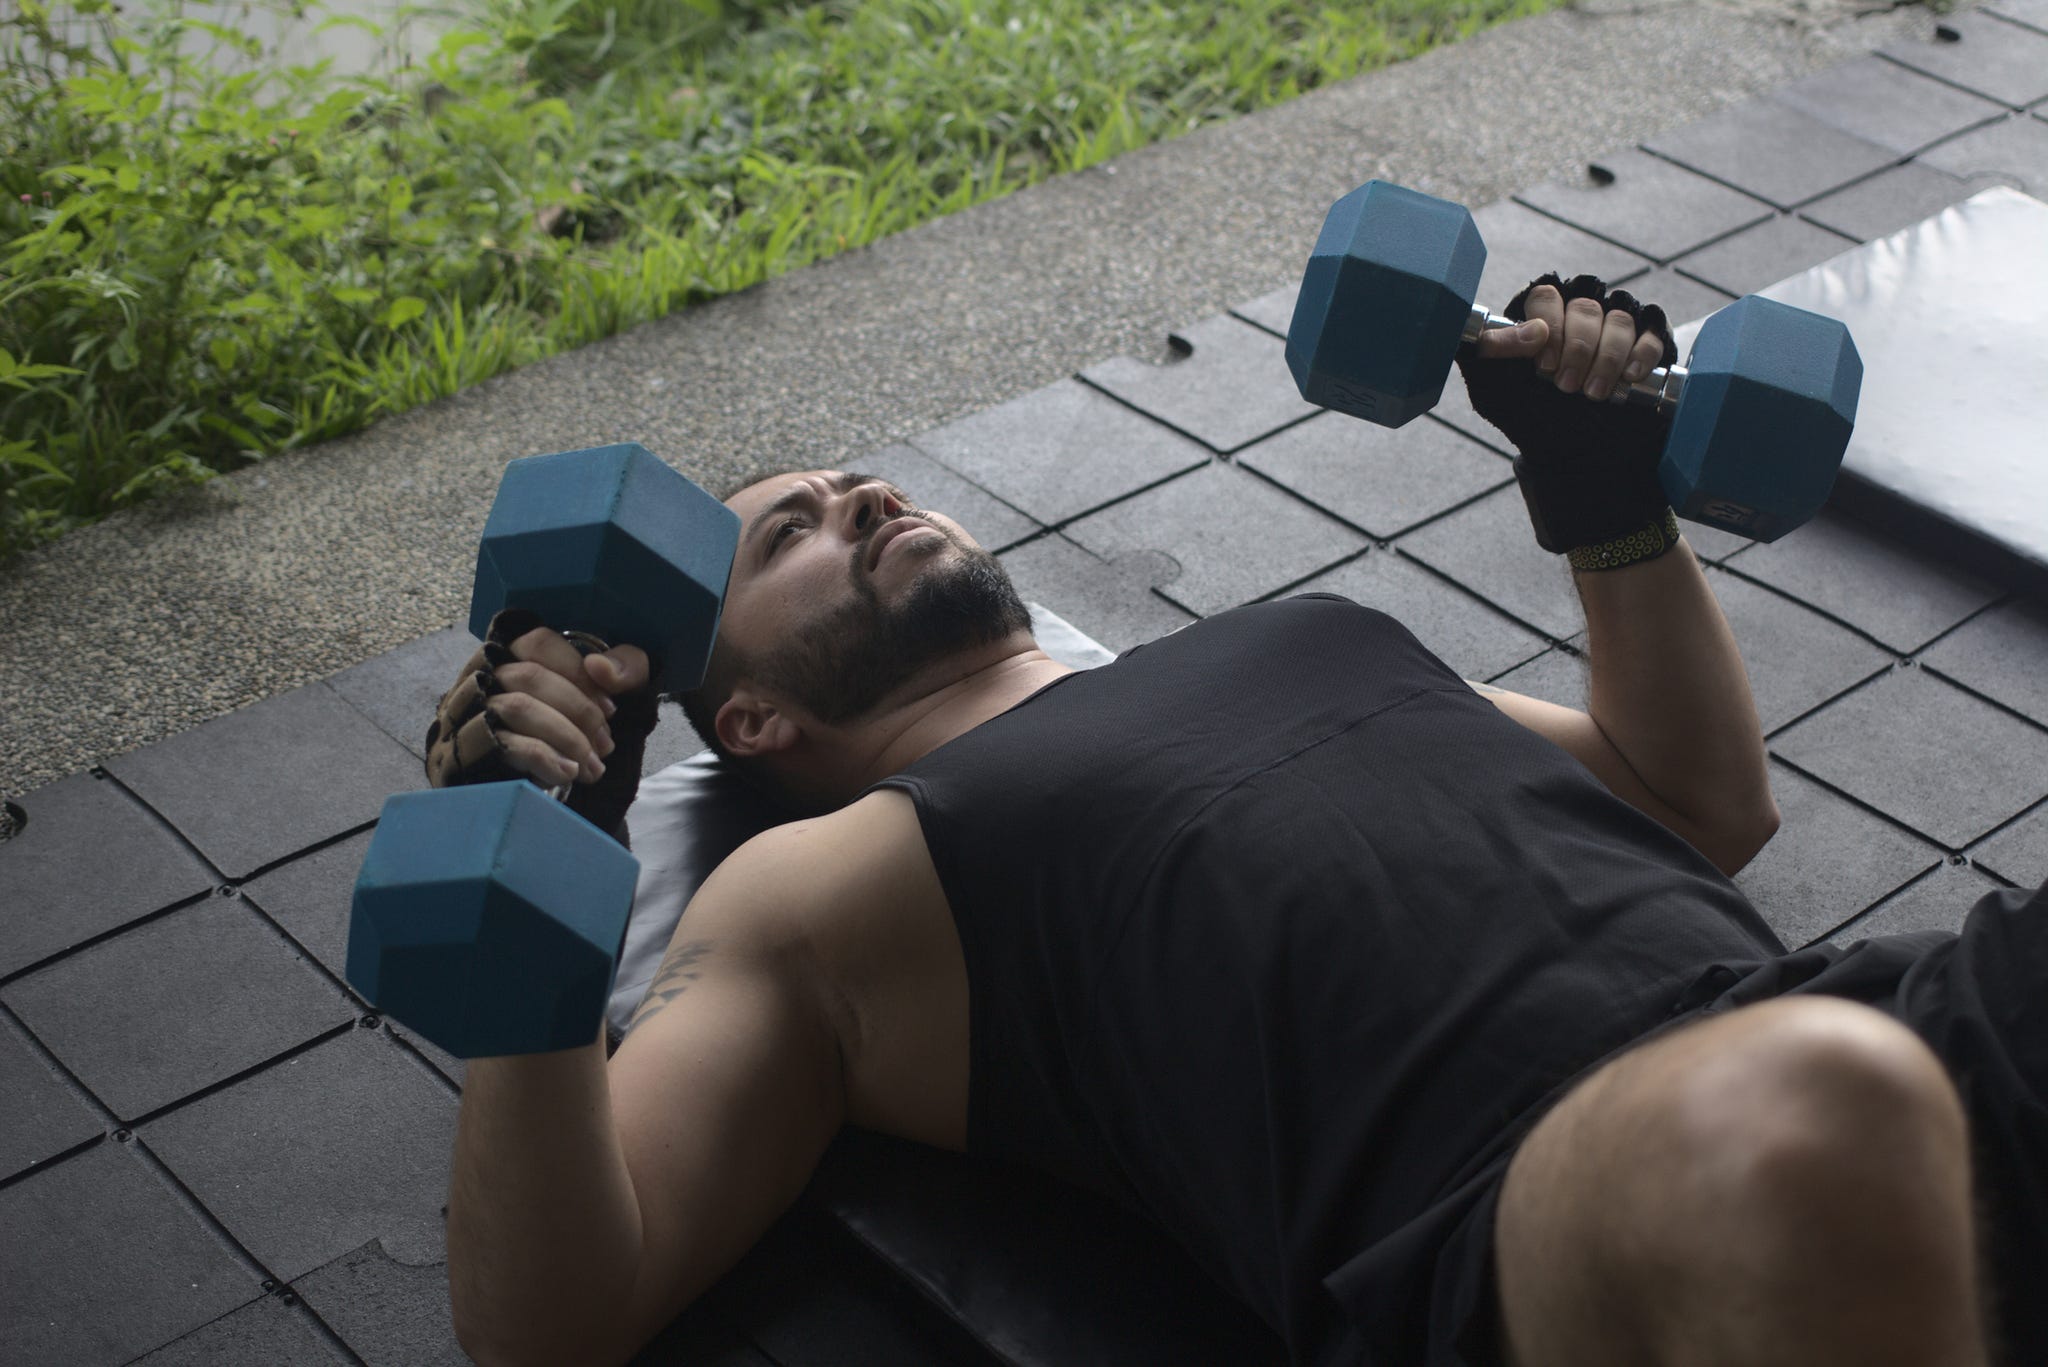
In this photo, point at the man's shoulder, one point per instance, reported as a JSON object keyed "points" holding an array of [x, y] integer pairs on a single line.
{"points": [[809, 876]]}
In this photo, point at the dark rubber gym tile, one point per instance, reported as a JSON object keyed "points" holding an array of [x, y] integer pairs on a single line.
{"points": [[319, 1154], [1274, 312], [181, 1003], [1489, 549], [268, 1331], [1557, 675], [1939, 901], [2014, 150], [102, 1262], [1828, 862], [1684, 300], [393, 1314], [1898, 596], [1463, 632], [1522, 244], [1883, 103], [1885, 203], [2003, 654], [1232, 388], [42, 1116], [2005, 62], [1926, 753], [1059, 452], [2020, 851], [1383, 479], [671, 742], [986, 518], [2033, 13], [310, 898], [1796, 659], [266, 782], [1764, 255], [59, 887], [1109, 600], [1772, 151], [1233, 537], [1650, 206], [401, 689]]}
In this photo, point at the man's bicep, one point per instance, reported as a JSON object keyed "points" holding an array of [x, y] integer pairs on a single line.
{"points": [[725, 1094]]}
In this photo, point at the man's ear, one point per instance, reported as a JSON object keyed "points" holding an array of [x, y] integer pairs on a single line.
{"points": [[750, 726]]}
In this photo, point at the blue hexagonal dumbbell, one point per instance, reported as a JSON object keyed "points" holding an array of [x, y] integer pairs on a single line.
{"points": [[488, 918], [1760, 422]]}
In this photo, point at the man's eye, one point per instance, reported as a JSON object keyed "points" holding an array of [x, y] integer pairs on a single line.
{"points": [[781, 532]]}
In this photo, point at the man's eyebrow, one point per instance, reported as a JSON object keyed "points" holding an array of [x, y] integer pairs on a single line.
{"points": [[798, 494]]}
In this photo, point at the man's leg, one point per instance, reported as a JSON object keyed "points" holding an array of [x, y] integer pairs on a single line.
{"points": [[1789, 1183]]}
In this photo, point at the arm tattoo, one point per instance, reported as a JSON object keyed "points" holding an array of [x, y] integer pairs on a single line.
{"points": [[680, 967]]}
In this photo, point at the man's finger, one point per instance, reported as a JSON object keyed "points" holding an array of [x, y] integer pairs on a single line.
{"points": [[1583, 320], [1545, 304], [1501, 344], [1647, 355], [1611, 353], [619, 670]]}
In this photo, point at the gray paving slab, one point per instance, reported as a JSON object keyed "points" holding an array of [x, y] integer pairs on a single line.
{"points": [[400, 689], [1382, 480], [1772, 150], [1764, 255], [1682, 298], [1829, 861], [2019, 852], [1889, 201], [1558, 675], [1646, 204], [2002, 653], [1901, 598], [59, 887], [2013, 151], [1273, 311], [2003, 61], [43, 1116], [1059, 452], [390, 1313], [1886, 104], [1522, 244], [986, 518], [319, 1154], [274, 778], [1232, 537], [102, 1263], [1110, 599], [1229, 386], [1938, 901], [1796, 658], [1464, 632], [177, 1005], [2033, 13], [1925, 753], [270, 1330], [309, 898], [1489, 549]]}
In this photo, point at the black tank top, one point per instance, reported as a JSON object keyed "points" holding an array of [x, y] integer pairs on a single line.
{"points": [[1274, 925]]}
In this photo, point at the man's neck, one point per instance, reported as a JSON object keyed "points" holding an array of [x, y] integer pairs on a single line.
{"points": [[943, 704]]}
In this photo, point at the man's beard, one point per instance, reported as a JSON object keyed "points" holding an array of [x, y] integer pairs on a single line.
{"points": [[841, 667]]}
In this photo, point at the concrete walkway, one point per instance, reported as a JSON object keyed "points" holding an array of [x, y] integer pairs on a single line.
{"points": [[159, 619]]}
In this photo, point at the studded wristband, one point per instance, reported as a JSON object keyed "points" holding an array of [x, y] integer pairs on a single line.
{"points": [[1646, 543]]}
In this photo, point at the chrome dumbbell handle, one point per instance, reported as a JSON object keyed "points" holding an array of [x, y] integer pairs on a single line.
{"points": [[589, 645], [1661, 389]]}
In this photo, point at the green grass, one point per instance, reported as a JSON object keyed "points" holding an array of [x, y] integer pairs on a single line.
{"points": [[206, 259]]}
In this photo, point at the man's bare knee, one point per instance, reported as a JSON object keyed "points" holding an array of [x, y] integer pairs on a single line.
{"points": [[1799, 1151]]}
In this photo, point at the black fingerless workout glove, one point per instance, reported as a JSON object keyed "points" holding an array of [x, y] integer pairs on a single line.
{"points": [[463, 744], [1588, 470]]}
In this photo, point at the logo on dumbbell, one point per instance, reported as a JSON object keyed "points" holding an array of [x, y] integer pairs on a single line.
{"points": [[1359, 403], [1720, 510]]}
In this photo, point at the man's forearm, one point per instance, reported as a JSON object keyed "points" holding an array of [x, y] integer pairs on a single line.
{"points": [[543, 1226], [1670, 693]]}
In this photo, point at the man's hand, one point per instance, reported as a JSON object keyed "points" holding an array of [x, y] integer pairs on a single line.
{"points": [[1588, 470]]}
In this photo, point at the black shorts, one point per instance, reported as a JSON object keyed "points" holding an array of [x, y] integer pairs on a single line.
{"points": [[1979, 998]]}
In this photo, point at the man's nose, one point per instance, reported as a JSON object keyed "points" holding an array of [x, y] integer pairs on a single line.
{"points": [[865, 505]]}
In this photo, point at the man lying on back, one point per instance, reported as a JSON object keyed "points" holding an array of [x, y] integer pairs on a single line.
{"points": [[1422, 1014]]}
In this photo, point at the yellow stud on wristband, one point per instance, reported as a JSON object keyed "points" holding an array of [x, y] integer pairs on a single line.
{"points": [[1647, 544]]}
